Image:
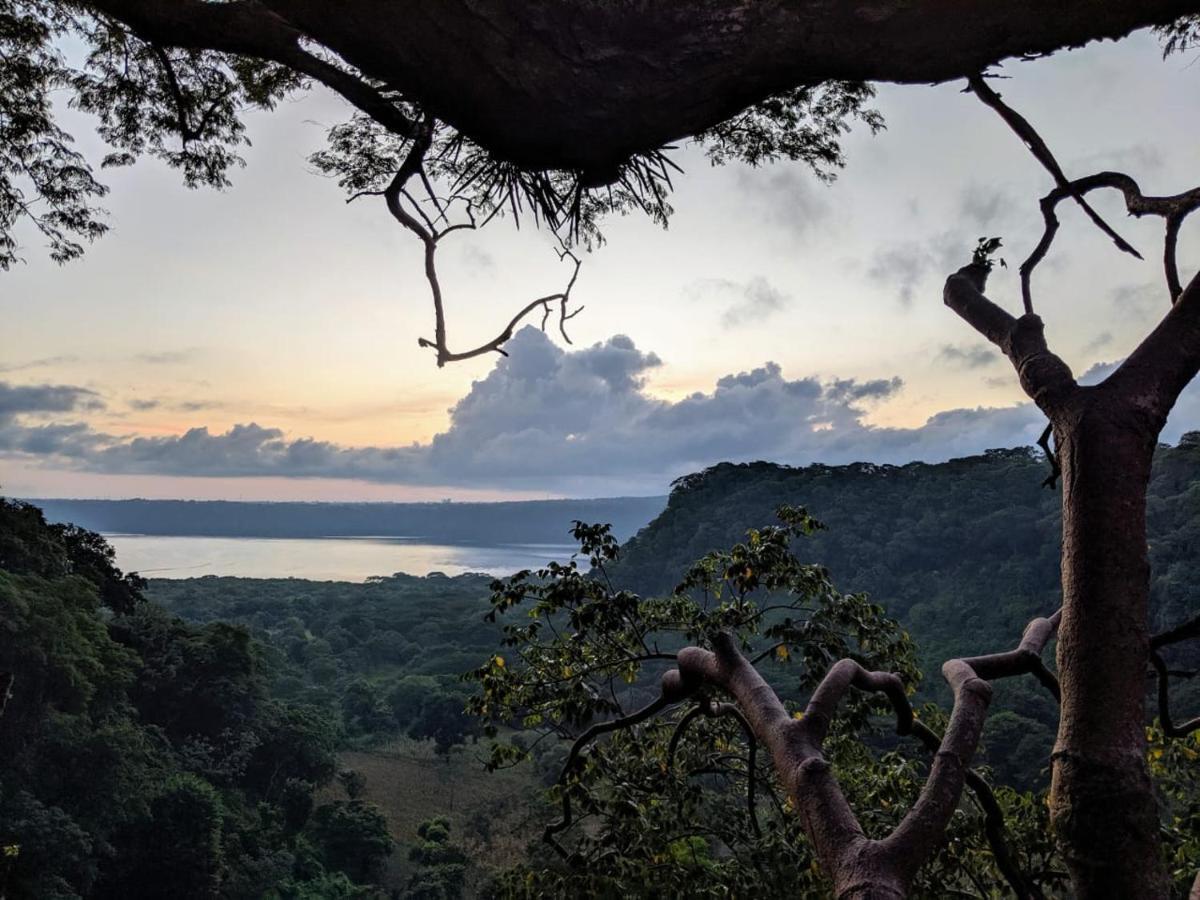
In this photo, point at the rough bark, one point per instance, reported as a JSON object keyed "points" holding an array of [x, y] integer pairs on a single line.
{"points": [[861, 868], [1102, 804], [582, 84]]}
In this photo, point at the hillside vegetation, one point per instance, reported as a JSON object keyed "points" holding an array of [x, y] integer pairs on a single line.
{"points": [[962, 553]]}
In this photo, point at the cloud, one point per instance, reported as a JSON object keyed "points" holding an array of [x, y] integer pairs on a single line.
{"points": [[985, 207], [476, 260], [748, 301], [1140, 301], [902, 267], [1099, 342], [789, 197], [144, 405], [167, 357], [44, 398], [972, 356], [572, 421], [1143, 158], [43, 363]]}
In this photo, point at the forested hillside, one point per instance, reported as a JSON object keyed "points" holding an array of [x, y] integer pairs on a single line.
{"points": [[963, 553], [145, 757], [525, 521]]}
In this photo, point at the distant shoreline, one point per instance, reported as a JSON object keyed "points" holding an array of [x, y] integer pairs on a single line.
{"points": [[520, 522]]}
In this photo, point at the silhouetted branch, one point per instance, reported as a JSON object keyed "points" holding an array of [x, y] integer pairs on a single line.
{"points": [[634, 718], [399, 200], [1041, 152], [1051, 458], [1173, 210], [6, 683], [1186, 631]]}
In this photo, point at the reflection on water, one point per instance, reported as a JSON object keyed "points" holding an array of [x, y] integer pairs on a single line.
{"points": [[322, 559]]}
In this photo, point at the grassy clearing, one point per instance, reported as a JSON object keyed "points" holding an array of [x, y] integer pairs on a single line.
{"points": [[494, 815]]}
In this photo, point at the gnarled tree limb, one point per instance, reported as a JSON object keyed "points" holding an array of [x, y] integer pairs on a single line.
{"points": [[1044, 376]]}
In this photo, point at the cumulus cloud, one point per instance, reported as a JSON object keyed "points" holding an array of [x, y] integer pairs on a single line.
{"points": [[967, 356], [44, 398], [575, 421]]}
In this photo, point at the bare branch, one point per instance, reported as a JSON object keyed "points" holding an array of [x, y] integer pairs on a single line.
{"points": [[1189, 629], [6, 683], [1044, 376], [1173, 209], [1186, 631], [427, 231], [1041, 152], [634, 718], [852, 859], [1170, 729]]}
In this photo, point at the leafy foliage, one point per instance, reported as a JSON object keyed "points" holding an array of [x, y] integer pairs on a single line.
{"points": [[141, 756], [962, 553], [1180, 36], [804, 124], [181, 106], [668, 800], [43, 178], [186, 107]]}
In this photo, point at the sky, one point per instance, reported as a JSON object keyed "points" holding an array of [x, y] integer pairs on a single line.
{"points": [[261, 342]]}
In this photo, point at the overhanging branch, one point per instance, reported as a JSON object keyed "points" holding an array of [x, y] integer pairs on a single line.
{"points": [[430, 230]]}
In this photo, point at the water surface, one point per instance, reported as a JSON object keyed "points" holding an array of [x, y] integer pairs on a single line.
{"points": [[321, 559]]}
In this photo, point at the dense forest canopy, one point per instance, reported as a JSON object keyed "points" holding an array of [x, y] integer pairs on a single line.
{"points": [[960, 553], [142, 757]]}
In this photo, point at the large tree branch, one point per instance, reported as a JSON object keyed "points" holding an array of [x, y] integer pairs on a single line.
{"points": [[1153, 376], [858, 865], [1044, 376], [248, 28], [546, 83]]}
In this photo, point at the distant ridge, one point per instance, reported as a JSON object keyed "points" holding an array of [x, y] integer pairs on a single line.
{"points": [[526, 521]]}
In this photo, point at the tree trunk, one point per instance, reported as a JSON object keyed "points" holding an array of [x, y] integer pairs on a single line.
{"points": [[1102, 804]]}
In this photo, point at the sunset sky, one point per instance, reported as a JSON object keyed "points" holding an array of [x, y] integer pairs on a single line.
{"points": [[261, 342]]}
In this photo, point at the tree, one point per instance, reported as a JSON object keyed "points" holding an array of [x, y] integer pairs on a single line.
{"points": [[664, 782], [453, 126], [442, 865], [351, 837]]}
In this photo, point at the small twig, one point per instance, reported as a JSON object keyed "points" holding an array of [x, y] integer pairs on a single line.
{"points": [[6, 683], [427, 231], [582, 741], [1051, 457], [1170, 729]]}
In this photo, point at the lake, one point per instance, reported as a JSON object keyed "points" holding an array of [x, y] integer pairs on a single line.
{"points": [[321, 559]]}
